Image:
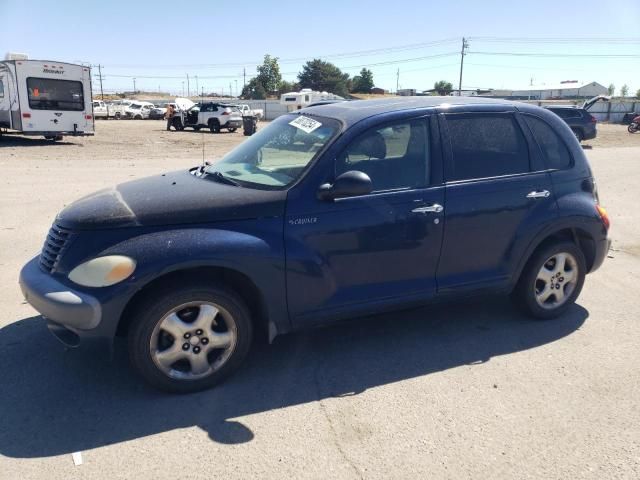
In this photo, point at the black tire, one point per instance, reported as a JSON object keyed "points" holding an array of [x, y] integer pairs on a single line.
{"points": [[632, 128], [525, 292], [117, 115], [232, 129], [138, 117], [154, 307], [214, 126], [578, 134]]}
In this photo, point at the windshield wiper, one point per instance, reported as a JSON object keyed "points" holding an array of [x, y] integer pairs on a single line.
{"points": [[223, 178]]}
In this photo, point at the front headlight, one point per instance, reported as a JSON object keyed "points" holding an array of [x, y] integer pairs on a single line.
{"points": [[103, 271]]}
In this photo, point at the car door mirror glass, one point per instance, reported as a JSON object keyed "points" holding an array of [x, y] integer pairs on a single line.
{"points": [[348, 184]]}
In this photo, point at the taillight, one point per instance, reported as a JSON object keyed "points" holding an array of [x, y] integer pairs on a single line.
{"points": [[87, 117], [26, 115], [604, 216], [226, 113], [593, 119]]}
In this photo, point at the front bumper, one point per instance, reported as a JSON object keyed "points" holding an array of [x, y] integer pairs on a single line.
{"points": [[57, 302]]}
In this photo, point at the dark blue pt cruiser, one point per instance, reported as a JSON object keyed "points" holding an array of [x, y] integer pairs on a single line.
{"points": [[331, 212]]}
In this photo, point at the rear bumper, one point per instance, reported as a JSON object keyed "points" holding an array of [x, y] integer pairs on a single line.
{"points": [[602, 248], [232, 124]]}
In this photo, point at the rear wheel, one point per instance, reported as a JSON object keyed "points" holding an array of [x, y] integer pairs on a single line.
{"points": [[189, 338], [578, 134], [551, 281], [214, 126]]}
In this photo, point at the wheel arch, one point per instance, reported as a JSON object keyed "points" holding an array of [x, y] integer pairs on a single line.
{"points": [[574, 233], [230, 278]]}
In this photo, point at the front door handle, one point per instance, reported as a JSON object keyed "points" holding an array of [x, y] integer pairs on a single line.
{"points": [[538, 194], [435, 208]]}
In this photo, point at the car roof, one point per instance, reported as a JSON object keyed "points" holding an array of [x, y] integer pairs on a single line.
{"points": [[564, 107], [356, 110]]}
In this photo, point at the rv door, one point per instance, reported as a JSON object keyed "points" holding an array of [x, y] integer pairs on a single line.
{"points": [[5, 104]]}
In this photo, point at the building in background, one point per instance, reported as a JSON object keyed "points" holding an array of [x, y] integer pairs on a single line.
{"points": [[568, 89]]}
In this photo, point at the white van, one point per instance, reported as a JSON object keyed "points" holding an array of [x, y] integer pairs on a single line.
{"points": [[42, 97]]}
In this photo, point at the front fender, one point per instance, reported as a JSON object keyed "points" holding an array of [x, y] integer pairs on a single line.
{"points": [[260, 258]]}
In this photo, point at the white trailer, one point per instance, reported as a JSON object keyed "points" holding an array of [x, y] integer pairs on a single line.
{"points": [[304, 98], [42, 97]]}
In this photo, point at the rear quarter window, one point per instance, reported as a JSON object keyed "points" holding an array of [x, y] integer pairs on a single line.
{"points": [[554, 150], [485, 145]]}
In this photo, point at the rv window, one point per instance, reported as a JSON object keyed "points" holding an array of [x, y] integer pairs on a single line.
{"points": [[53, 94], [1, 89]]}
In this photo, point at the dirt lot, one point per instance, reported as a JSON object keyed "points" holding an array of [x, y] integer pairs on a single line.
{"points": [[457, 391]]}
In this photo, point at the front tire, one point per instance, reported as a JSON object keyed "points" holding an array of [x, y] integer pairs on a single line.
{"points": [[214, 126], [189, 338], [551, 281], [632, 128]]}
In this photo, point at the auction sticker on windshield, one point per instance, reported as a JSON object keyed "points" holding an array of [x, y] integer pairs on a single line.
{"points": [[305, 124]]}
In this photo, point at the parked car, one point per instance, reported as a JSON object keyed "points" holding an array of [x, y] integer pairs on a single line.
{"points": [[211, 115], [119, 108], [139, 110], [158, 112], [340, 211], [581, 122]]}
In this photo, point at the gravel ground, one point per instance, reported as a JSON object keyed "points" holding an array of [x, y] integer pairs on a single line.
{"points": [[458, 391]]}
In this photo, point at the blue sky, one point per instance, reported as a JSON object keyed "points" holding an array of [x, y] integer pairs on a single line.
{"points": [[215, 40]]}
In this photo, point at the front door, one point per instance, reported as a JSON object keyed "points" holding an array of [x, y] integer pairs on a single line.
{"points": [[354, 255]]}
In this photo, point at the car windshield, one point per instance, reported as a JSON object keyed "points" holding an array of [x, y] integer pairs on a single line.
{"points": [[278, 154]]}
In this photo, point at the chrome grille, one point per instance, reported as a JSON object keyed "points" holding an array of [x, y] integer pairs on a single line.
{"points": [[54, 245]]}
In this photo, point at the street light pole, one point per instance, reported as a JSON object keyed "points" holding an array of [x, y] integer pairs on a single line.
{"points": [[134, 85]]}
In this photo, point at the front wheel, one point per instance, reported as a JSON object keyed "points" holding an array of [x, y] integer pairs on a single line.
{"points": [[189, 338], [551, 281], [632, 128], [214, 126]]}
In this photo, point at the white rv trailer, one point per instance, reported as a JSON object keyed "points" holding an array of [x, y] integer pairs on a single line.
{"points": [[43, 97], [304, 98]]}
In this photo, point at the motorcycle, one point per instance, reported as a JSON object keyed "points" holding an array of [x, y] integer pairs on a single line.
{"points": [[634, 126]]}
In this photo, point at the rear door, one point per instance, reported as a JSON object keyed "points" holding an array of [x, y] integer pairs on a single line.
{"points": [[497, 194]]}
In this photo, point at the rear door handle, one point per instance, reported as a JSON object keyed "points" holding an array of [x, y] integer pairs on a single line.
{"points": [[538, 194], [435, 208]]}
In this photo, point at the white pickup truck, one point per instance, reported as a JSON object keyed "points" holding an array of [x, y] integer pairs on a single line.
{"points": [[101, 110], [246, 110]]}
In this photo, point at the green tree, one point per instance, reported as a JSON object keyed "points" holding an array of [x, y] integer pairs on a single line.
{"points": [[443, 87], [269, 74], [254, 90], [363, 83], [624, 90], [611, 89], [324, 76], [286, 87]]}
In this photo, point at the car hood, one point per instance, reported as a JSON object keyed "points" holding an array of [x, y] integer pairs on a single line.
{"points": [[170, 199]]}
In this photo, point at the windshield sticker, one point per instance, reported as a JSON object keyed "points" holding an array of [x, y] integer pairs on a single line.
{"points": [[305, 124]]}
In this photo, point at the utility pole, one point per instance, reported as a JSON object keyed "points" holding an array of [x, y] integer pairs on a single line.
{"points": [[465, 45], [197, 88], [134, 85], [230, 90], [397, 81], [183, 88], [188, 89], [236, 88], [100, 78], [244, 78]]}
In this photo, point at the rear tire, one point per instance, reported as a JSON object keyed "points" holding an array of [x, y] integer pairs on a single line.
{"points": [[632, 128], [578, 134], [232, 129], [186, 338], [214, 126], [551, 281]]}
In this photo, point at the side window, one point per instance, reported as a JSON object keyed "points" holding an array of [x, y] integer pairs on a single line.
{"points": [[1, 89], [553, 148], [394, 156], [485, 145]]}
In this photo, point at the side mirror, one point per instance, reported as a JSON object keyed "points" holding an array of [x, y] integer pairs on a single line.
{"points": [[348, 184]]}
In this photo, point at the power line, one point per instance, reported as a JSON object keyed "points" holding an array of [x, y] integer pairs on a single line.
{"points": [[558, 55]]}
